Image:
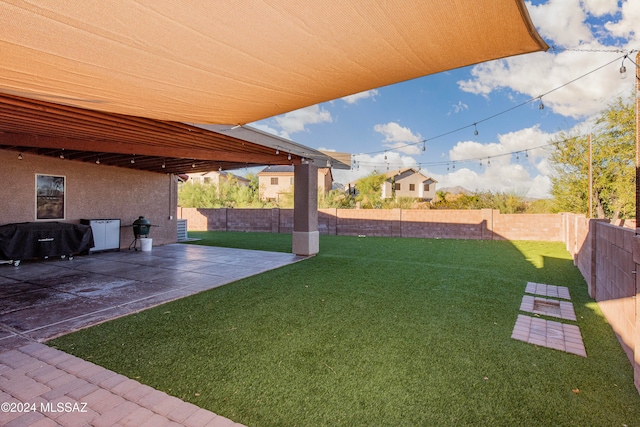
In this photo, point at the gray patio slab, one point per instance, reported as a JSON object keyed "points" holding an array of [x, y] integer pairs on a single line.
{"points": [[44, 299]]}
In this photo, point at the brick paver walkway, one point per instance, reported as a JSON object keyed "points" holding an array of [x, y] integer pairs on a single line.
{"points": [[64, 390]]}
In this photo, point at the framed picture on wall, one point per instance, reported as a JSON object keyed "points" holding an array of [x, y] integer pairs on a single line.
{"points": [[50, 197]]}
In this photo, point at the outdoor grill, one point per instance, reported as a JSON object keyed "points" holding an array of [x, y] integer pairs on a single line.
{"points": [[141, 228]]}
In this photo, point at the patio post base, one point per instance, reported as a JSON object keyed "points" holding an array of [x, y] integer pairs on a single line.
{"points": [[306, 243]]}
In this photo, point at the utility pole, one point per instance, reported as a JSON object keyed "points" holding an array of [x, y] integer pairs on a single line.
{"points": [[637, 74], [591, 178]]}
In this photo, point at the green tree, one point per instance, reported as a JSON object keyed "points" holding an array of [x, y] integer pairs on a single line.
{"points": [[370, 191], [613, 166], [197, 195]]}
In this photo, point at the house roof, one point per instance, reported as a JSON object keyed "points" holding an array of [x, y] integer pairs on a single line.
{"points": [[238, 61], [399, 174]]}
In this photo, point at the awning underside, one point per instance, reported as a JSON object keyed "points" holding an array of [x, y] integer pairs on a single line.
{"points": [[37, 127]]}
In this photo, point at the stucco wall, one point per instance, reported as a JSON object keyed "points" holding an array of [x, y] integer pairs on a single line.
{"points": [[92, 192]]}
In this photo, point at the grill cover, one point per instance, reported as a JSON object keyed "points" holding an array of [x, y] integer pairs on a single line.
{"points": [[43, 239]]}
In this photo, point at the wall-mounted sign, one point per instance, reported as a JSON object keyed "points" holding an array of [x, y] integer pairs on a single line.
{"points": [[50, 197]]}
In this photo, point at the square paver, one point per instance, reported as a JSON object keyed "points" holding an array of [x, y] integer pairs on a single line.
{"points": [[548, 307], [548, 290], [547, 333]]}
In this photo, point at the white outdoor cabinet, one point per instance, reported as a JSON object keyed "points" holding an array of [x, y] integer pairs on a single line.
{"points": [[106, 233]]}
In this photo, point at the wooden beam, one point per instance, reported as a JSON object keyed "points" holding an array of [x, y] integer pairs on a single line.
{"points": [[97, 146]]}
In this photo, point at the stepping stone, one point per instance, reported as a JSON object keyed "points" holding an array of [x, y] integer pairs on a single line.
{"points": [[548, 333], [548, 307], [548, 290]]}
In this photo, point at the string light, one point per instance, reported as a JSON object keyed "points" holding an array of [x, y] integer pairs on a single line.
{"points": [[98, 161], [623, 69], [475, 132], [541, 106], [133, 159], [539, 97], [289, 156], [277, 151], [164, 165], [62, 154], [20, 156]]}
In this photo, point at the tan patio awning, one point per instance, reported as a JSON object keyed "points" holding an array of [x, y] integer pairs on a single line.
{"points": [[238, 61]]}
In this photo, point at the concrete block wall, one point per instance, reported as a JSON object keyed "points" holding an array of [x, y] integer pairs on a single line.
{"points": [[527, 227], [455, 224], [484, 224], [249, 219], [615, 288], [608, 258]]}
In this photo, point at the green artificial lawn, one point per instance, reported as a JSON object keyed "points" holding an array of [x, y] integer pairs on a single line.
{"points": [[375, 332]]}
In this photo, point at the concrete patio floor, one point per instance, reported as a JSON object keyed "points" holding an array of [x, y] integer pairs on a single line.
{"points": [[44, 299]]}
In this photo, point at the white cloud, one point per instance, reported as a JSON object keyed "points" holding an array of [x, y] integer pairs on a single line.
{"points": [[511, 164], [398, 137], [353, 99], [561, 22], [565, 23], [627, 26], [296, 121], [367, 164], [457, 108], [539, 73], [266, 128], [600, 7]]}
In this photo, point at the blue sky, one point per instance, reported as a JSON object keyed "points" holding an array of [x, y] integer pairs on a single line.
{"points": [[376, 126]]}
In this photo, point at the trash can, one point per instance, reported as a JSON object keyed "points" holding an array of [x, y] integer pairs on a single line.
{"points": [[146, 244]]}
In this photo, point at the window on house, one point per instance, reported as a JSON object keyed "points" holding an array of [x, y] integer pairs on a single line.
{"points": [[397, 186], [412, 187], [274, 180], [426, 187]]}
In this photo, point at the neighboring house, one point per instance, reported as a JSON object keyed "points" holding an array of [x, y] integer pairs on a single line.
{"points": [[277, 180], [216, 177], [408, 183], [404, 183]]}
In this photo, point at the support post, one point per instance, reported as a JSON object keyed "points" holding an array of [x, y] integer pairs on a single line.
{"points": [[306, 237]]}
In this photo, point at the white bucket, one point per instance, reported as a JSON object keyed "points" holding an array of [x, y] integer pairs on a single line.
{"points": [[145, 244]]}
